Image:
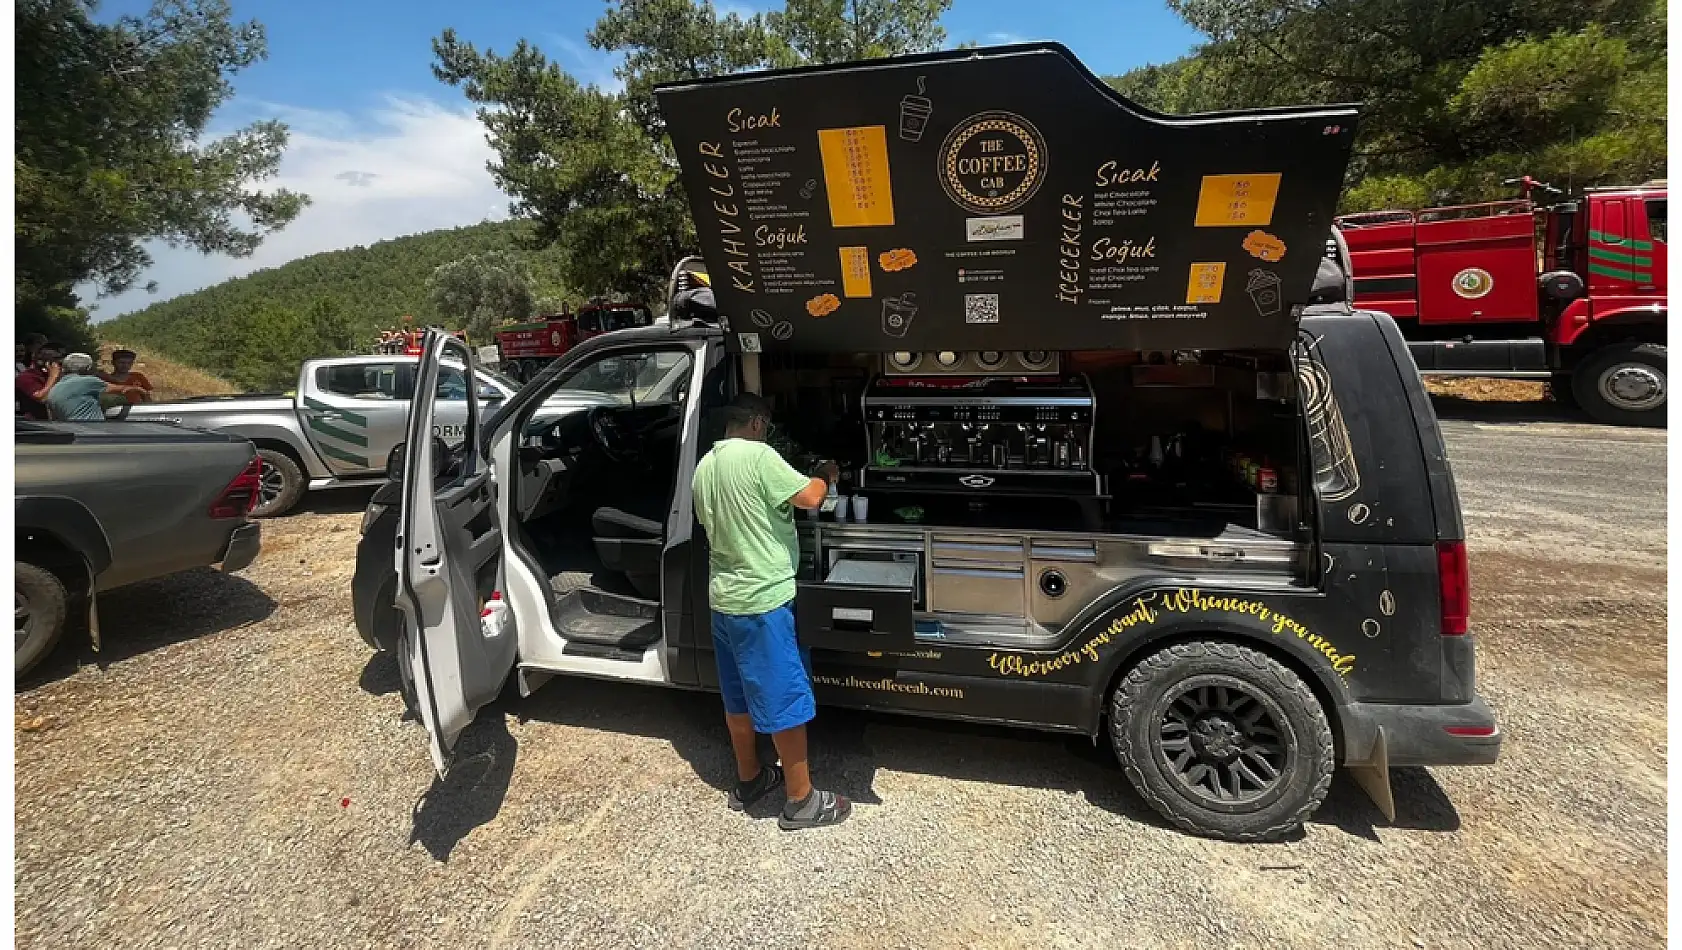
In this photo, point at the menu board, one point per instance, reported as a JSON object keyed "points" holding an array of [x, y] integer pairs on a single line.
{"points": [[999, 199]]}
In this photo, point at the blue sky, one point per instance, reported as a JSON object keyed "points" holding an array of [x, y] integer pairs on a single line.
{"points": [[385, 150]]}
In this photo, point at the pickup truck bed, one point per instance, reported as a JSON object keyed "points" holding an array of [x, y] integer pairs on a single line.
{"points": [[99, 505]]}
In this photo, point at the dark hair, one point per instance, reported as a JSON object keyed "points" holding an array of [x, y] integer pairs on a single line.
{"points": [[47, 354], [119, 354], [744, 409]]}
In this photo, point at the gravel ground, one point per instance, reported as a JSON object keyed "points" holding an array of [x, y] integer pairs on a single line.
{"points": [[238, 773]]}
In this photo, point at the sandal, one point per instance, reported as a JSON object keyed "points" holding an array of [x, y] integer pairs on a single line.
{"points": [[770, 777], [819, 809]]}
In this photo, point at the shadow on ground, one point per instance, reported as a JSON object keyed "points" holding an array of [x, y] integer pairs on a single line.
{"points": [[338, 501], [1480, 410], [849, 746], [155, 613]]}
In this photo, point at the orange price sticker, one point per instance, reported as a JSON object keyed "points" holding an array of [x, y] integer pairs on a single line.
{"points": [[1237, 200], [855, 170], [1205, 283], [855, 271]]}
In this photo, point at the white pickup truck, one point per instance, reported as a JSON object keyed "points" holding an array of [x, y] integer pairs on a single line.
{"points": [[337, 427]]}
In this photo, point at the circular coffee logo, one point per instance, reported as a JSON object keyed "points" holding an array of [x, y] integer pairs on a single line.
{"points": [[993, 162], [1473, 282]]}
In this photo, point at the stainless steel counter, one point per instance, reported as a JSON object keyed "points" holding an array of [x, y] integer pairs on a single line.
{"points": [[1024, 586]]}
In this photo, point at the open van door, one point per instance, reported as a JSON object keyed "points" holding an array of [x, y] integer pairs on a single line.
{"points": [[449, 560]]}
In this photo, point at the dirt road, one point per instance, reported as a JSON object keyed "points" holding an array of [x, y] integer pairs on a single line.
{"points": [[238, 775]]}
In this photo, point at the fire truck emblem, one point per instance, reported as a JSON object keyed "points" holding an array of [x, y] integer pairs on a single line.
{"points": [[1473, 282]]}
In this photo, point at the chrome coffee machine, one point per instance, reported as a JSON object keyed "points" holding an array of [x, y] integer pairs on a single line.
{"points": [[1012, 434]]}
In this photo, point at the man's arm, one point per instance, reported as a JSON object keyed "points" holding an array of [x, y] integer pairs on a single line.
{"points": [[52, 379], [816, 489], [784, 483]]}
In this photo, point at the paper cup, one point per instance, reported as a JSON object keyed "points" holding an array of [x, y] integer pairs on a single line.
{"points": [[840, 507], [861, 508]]}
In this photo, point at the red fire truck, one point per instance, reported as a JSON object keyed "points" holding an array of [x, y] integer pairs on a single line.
{"points": [[525, 348], [1571, 292]]}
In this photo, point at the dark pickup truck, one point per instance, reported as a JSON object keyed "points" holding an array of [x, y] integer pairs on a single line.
{"points": [[99, 505]]}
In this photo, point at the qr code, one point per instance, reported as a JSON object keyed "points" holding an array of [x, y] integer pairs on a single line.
{"points": [[981, 308]]}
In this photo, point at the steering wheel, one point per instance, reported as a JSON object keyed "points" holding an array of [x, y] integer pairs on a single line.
{"points": [[609, 438]]}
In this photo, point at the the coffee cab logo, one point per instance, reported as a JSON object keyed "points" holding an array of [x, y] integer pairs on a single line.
{"points": [[992, 162], [1473, 282]]}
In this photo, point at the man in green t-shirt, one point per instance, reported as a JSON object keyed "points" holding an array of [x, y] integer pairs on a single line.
{"points": [[745, 494]]}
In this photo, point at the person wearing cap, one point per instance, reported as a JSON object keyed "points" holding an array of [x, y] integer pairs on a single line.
{"points": [[123, 373], [75, 396]]}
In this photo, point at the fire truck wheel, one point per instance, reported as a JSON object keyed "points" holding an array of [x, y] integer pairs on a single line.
{"points": [[1223, 740], [281, 486], [1624, 384]]}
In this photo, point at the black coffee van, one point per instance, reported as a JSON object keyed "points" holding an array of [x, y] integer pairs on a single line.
{"points": [[1119, 458]]}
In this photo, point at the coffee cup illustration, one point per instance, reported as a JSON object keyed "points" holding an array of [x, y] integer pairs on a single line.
{"points": [[914, 114], [1264, 291], [897, 313]]}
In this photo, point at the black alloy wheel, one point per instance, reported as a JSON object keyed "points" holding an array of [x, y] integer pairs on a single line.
{"points": [[1223, 740], [1222, 743], [270, 485]]}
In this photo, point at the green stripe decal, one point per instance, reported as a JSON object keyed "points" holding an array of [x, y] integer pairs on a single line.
{"points": [[1622, 242], [351, 417], [337, 433], [1619, 256], [1621, 273], [343, 456]]}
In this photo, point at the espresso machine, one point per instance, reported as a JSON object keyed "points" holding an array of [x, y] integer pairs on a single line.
{"points": [[1010, 434]]}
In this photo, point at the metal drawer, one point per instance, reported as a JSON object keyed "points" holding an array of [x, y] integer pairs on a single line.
{"points": [[854, 618]]}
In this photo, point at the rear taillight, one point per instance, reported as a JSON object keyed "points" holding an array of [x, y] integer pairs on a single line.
{"points": [[1455, 581], [240, 497], [1469, 732]]}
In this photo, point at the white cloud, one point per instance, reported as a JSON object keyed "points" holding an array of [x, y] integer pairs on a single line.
{"points": [[1006, 38], [411, 165]]}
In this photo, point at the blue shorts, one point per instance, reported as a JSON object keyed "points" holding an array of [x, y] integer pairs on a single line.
{"points": [[763, 670]]}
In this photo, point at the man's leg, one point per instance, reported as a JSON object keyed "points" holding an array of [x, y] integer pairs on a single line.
{"points": [[745, 743], [752, 781], [778, 689], [791, 749]]}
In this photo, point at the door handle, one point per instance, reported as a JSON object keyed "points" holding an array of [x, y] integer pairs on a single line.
{"points": [[320, 414]]}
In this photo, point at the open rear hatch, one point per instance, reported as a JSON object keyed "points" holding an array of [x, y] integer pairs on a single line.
{"points": [[999, 199]]}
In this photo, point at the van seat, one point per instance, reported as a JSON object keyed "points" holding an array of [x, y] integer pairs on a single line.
{"points": [[630, 545]]}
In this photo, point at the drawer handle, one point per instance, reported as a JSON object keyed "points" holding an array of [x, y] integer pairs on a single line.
{"points": [[859, 619], [977, 570]]}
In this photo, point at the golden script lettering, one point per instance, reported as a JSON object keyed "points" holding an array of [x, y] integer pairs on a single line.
{"points": [[1182, 601], [738, 122], [1068, 261], [739, 262], [1111, 173]]}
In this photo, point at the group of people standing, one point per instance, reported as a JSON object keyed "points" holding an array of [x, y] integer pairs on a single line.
{"points": [[51, 385]]}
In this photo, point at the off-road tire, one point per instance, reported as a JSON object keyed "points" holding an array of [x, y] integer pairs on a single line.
{"points": [[47, 603], [1137, 710], [1585, 384], [292, 484]]}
